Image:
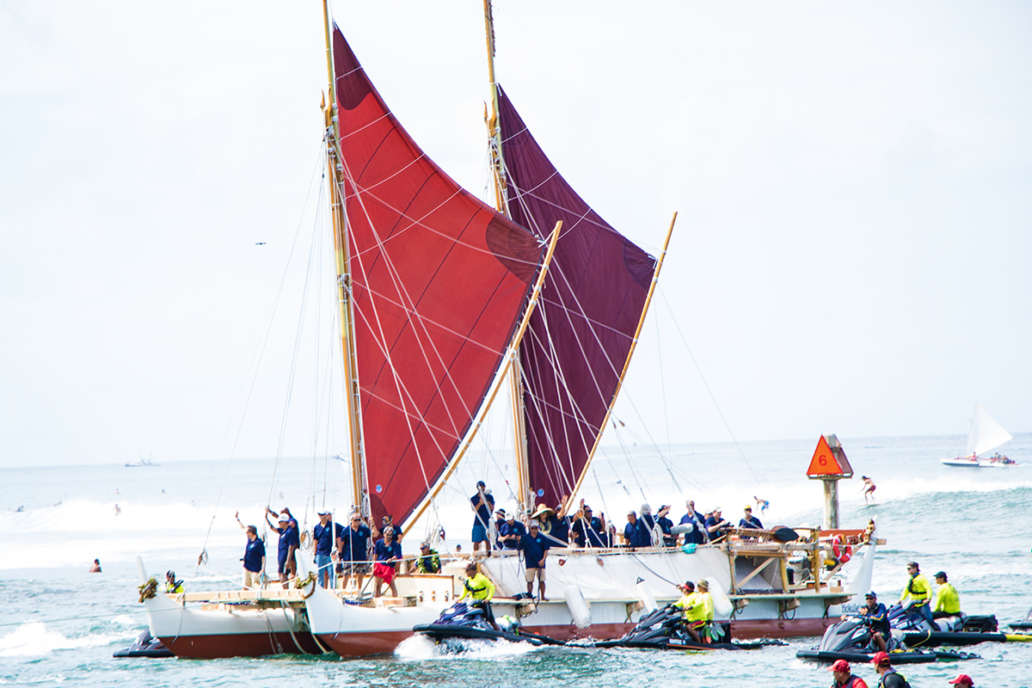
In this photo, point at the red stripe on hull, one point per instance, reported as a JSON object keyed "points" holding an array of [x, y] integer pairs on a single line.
{"points": [[779, 628], [240, 645], [363, 644]]}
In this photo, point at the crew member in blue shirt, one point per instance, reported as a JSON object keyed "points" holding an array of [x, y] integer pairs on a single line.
{"points": [[355, 553], [326, 533], [388, 554], [588, 529], [535, 549], [716, 525], [289, 543], [635, 534], [697, 534], [499, 521], [666, 525], [482, 504], [254, 556], [511, 532], [750, 521]]}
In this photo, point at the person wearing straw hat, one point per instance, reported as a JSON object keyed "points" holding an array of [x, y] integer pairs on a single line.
{"points": [[844, 677]]}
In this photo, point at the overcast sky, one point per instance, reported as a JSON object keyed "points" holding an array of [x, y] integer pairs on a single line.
{"points": [[853, 182]]}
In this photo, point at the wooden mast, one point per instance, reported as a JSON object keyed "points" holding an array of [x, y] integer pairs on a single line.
{"points": [[342, 256], [627, 363], [494, 132]]}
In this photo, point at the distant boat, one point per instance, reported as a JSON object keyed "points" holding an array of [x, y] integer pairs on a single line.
{"points": [[142, 463], [985, 435]]}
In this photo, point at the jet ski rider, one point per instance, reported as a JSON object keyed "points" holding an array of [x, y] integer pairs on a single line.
{"points": [[480, 588], [694, 611], [947, 601], [876, 617], [918, 593]]}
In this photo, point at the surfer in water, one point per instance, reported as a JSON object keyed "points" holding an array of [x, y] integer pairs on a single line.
{"points": [[95, 568], [869, 488]]}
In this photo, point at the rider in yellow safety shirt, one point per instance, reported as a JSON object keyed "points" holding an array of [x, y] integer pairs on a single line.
{"points": [[947, 601], [917, 594], [694, 608], [172, 586], [480, 588]]}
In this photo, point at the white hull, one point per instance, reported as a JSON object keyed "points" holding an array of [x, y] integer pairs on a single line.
{"points": [[978, 463]]}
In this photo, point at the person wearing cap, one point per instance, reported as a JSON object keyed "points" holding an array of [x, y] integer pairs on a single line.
{"points": [[844, 677], [666, 526], [497, 528], [947, 601], [289, 543], [716, 525], [876, 616], [511, 532], [588, 530], [172, 586], [480, 590], [254, 556], [635, 534], [535, 546], [887, 676], [429, 561], [694, 611], [388, 554], [917, 593], [354, 555], [697, 535], [326, 534], [749, 521], [482, 503], [963, 680]]}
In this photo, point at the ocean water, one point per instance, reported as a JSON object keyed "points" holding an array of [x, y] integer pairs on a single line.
{"points": [[60, 624]]}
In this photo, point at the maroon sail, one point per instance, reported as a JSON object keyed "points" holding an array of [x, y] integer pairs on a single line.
{"points": [[439, 281], [581, 332]]}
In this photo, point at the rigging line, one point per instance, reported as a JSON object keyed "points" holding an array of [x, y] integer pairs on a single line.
{"points": [[299, 331], [709, 391], [662, 380], [379, 325], [402, 293], [268, 332]]}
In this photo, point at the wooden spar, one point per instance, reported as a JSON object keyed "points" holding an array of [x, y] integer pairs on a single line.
{"points": [[494, 133], [627, 363], [495, 386], [342, 256]]}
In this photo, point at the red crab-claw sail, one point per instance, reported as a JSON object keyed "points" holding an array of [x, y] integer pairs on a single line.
{"points": [[581, 334], [439, 283]]}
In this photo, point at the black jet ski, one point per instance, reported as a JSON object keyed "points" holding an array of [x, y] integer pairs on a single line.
{"points": [[145, 646], [661, 629], [1025, 624], [850, 639], [958, 629], [466, 621]]}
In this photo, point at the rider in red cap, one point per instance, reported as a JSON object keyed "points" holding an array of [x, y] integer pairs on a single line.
{"points": [[963, 680], [844, 678], [887, 676]]}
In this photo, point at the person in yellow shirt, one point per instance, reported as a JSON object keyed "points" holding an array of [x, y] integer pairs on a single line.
{"points": [[480, 589], [917, 593], [947, 601], [694, 609]]}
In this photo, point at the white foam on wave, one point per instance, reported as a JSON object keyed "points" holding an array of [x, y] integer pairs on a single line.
{"points": [[421, 648], [34, 639]]}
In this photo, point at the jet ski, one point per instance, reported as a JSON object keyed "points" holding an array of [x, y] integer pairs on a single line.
{"points": [[850, 639], [958, 629], [146, 645], [1025, 624], [661, 629], [466, 621]]}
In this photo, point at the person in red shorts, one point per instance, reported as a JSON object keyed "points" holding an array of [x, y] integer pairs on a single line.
{"points": [[388, 554]]}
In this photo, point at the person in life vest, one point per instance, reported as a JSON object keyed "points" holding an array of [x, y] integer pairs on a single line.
{"points": [[887, 676], [917, 593], [707, 604], [876, 617], [172, 586], [947, 601], [480, 589], [844, 677], [694, 611]]}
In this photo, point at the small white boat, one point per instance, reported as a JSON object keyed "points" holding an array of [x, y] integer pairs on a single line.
{"points": [[985, 435]]}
